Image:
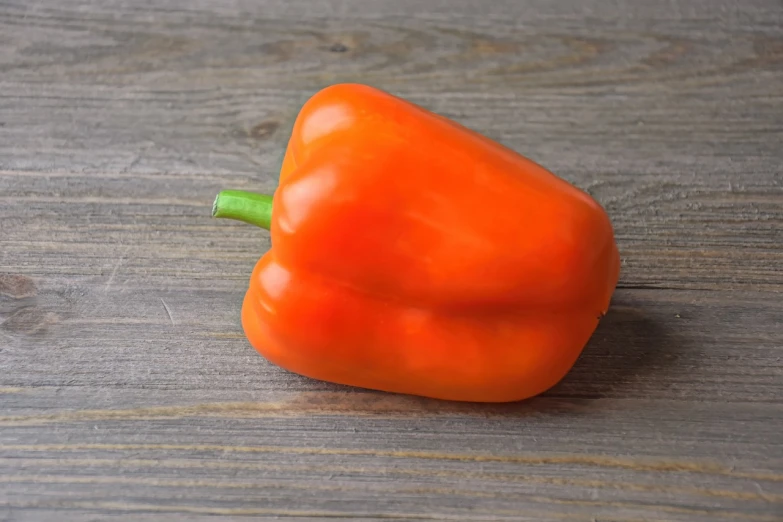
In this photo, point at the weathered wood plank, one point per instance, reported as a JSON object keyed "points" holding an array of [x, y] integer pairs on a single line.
{"points": [[127, 389]]}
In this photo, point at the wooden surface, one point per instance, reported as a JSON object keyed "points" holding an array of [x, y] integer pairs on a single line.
{"points": [[127, 390]]}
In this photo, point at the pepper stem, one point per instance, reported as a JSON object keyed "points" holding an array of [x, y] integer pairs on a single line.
{"points": [[255, 209]]}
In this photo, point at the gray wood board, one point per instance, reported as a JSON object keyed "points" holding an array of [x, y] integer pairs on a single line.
{"points": [[127, 389]]}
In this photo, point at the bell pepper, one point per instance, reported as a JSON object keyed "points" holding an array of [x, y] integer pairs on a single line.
{"points": [[412, 255]]}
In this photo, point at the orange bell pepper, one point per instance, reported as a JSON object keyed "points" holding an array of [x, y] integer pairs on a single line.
{"points": [[410, 254]]}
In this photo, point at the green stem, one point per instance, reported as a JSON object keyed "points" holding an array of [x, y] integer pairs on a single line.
{"points": [[255, 209]]}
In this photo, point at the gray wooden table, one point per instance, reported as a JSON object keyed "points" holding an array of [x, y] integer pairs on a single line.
{"points": [[127, 389]]}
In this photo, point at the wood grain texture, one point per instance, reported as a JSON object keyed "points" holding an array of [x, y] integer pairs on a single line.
{"points": [[127, 390]]}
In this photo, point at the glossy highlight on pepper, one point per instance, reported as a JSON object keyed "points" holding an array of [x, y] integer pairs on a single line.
{"points": [[413, 255]]}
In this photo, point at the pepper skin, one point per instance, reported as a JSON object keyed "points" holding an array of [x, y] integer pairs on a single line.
{"points": [[412, 255]]}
